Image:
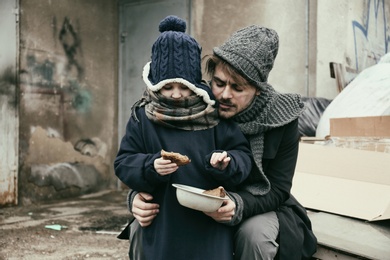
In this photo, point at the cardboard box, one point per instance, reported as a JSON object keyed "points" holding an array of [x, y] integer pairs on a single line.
{"points": [[344, 181], [375, 144], [373, 126]]}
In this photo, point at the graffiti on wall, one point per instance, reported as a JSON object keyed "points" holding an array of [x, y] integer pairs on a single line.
{"points": [[49, 74], [71, 44], [372, 36], [55, 103], [61, 74]]}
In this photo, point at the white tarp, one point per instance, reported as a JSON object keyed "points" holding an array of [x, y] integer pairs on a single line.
{"points": [[367, 95]]}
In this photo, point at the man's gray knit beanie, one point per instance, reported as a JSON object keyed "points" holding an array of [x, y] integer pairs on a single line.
{"points": [[251, 51]]}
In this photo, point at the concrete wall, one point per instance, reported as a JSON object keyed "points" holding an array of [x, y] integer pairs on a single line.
{"points": [[213, 22], [68, 97], [354, 33]]}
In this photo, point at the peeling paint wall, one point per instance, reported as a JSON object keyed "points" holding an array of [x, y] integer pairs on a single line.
{"points": [[68, 92]]}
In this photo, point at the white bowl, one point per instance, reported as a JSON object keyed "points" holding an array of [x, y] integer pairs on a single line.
{"points": [[194, 198]]}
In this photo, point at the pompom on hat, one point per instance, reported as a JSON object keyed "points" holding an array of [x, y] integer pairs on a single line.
{"points": [[176, 57], [252, 52]]}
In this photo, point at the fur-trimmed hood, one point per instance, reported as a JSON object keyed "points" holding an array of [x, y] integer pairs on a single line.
{"points": [[201, 90]]}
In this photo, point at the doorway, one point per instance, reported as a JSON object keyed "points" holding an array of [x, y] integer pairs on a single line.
{"points": [[139, 22]]}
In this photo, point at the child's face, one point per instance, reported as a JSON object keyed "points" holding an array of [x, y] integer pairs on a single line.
{"points": [[175, 90]]}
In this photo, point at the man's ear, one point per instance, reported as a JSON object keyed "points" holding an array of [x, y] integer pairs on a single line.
{"points": [[257, 92]]}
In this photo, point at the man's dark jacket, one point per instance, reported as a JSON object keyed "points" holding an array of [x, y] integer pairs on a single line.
{"points": [[296, 239]]}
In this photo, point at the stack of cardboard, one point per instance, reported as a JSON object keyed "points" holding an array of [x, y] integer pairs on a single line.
{"points": [[349, 174]]}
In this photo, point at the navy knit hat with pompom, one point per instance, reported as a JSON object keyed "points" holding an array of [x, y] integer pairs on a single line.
{"points": [[176, 57]]}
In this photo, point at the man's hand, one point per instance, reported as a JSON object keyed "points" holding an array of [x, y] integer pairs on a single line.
{"points": [[225, 213], [220, 160], [142, 210]]}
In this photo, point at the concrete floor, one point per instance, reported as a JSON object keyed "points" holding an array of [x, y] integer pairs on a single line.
{"points": [[81, 228], [86, 228]]}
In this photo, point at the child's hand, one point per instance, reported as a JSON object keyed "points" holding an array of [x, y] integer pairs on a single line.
{"points": [[220, 160], [164, 167]]}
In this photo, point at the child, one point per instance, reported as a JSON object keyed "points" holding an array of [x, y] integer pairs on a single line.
{"points": [[177, 114]]}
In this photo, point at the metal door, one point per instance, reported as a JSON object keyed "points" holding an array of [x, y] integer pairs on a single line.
{"points": [[9, 132], [139, 22]]}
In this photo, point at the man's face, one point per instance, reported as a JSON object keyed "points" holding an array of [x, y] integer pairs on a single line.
{"points": [[233, 98]]}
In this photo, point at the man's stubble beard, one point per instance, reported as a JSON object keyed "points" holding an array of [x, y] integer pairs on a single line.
{"points": [[229, 112]]}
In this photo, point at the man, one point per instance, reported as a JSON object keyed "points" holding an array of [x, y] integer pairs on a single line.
{"points": [[269, 222]]}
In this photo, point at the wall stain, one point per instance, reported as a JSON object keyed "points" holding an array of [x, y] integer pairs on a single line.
{"points": [[7, 77], [42, 73], [8, 86]]}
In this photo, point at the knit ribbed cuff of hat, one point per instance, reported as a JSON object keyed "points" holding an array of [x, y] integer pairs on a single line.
{"points": [[237, 217], [130, 198]]}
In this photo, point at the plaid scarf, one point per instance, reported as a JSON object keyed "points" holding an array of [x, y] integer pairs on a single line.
{"points": [[268, 110], [190, 113]]}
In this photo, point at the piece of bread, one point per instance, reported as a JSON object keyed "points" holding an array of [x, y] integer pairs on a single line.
{"points": [[177, 158], [218, 192]]}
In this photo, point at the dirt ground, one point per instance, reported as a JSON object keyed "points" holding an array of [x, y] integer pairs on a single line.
{"points": [[81, 228]]}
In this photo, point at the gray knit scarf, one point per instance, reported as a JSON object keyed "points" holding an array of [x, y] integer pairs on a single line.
{"points": [[268, 110], [190, 113]]}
